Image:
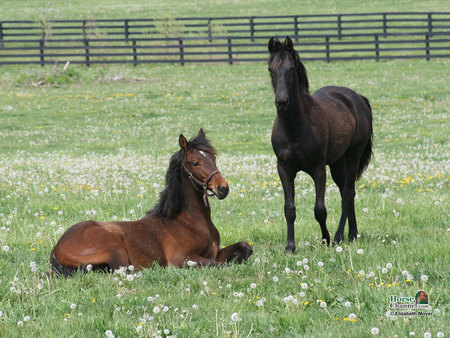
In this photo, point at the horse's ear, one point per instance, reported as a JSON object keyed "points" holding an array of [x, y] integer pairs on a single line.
{"points": [[201, 133], [289, 44], [273, 44], [183, 142]]}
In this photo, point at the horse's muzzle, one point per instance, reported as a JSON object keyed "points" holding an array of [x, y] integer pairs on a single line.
{"points": [[222, 191]]}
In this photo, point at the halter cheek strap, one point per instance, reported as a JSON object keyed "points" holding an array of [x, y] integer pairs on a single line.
{"points": [[201, 186]]}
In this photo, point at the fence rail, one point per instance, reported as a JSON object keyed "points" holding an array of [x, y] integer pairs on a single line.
{"points": [[225, 39]]}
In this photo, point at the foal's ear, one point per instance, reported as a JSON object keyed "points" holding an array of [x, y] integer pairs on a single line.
{"points": [[273, 44], [201, 133], [289, 44], [183, 142]]}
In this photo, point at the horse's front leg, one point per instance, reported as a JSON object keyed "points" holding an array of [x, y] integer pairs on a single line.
{"points": [[320, 211], [287, 180], [236, 253]]}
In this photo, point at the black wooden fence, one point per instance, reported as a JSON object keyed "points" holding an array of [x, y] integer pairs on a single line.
{"points": [[225, 39]]}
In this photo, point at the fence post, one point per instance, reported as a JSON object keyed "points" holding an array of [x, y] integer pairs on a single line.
{"points": [[209, 30], [84, 29], [377, 48], [230, 54], [41, 51], [430, 24], [296, 28], [1, 34], [427, 46], [252, 29], [384, 25], [134, 53], [86, 51], [126, 29], [180, 42], [339, 26], [327, 41]]}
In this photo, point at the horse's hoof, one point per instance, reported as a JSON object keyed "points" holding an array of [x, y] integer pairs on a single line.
{"points": [[290, 248], [353, 237]]}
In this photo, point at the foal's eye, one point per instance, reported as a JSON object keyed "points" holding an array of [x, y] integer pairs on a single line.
{"points": [[195, 164]]}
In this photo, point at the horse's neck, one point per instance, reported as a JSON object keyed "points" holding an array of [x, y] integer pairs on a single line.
{"points": [[194, 201]]}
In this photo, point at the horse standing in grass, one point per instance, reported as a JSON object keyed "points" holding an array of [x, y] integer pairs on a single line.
{"points": [[331, 127], [177, 231]]}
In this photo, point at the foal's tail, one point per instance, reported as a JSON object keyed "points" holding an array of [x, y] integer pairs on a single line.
{"points": [[367, 153]]}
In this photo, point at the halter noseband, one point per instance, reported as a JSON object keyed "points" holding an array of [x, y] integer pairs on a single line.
{"points": [[199, 185]]}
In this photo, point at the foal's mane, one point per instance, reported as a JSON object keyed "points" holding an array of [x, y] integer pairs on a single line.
{"points": [[171, 201], [299, 67]]}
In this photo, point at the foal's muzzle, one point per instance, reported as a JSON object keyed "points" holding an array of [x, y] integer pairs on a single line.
{"points": [[282, 104], [222, 191]]}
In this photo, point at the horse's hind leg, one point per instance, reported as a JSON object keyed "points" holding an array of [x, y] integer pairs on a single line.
{"points": [[320, 211], [344, 173]]}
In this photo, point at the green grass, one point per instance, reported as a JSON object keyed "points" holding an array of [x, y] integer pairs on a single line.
{"points": [[95, 143], [83, 9]]}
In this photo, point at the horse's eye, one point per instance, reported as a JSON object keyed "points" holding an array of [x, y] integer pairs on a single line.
{"points": [[195, 164]]}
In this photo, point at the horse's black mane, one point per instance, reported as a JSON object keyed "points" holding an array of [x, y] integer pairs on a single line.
{"points": [[171, 201], [299, 67]]}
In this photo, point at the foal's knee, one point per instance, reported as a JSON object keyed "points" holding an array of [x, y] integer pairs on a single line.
{"points": [[290, 212], [320, 212]]}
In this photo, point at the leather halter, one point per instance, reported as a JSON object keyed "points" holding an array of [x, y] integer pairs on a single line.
{"points": [[199, 185]]}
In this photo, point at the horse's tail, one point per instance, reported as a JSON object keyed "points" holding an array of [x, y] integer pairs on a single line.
{"points": [[367, 153]]}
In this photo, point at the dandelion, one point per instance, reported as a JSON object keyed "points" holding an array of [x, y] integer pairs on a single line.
{"points": [[253, 285], [89, 267], [319, 264], [384, 270], [424, 278], [351, 316], [5, 248], [166, 331], [26, 318], [440, 334], [299, 263], [165, 308], [235, 317], [73, 306], [156, 309], [374, 331], [287, 270], [139, 328], [130, 278], [389, 265], [339, 249], [304, 285], [191, 263], [323, 305], [347, 304], [109, 334], [360, 251], [427, 334], [275, 278], [409, 277], [412, 333], [19, 323], [195, 306], [436, 312], [259, 303]]}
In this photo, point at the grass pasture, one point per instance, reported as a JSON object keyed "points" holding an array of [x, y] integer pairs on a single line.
{"points": [[95, 144]]}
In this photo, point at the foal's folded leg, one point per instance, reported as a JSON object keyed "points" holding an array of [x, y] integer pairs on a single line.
{"points": [[235, 253]]}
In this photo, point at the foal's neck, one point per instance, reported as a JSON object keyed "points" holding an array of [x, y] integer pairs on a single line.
{"points": [[194, 200], [298, 107]]}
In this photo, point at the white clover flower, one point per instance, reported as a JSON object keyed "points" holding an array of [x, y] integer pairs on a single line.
{"points": [[339, 249], [374, 331]]}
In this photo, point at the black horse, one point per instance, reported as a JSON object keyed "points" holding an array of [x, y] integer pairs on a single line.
{"points": [[331, 127]]}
